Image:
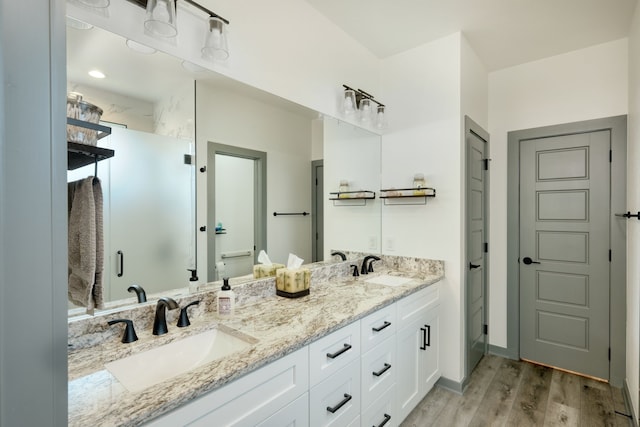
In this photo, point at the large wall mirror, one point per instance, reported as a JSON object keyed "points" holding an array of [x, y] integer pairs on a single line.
{"points": [[170, 206]]}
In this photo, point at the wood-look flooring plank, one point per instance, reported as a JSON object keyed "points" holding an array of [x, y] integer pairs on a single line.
{"points": [[531, 400], [511, 393], [559, 415], [460, 410], [496, 405], [565, 389], [597, 405]]}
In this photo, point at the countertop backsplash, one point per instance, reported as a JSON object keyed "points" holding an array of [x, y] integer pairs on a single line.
{"points": [[88, 331]]}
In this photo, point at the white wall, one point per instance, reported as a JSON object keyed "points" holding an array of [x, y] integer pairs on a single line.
{"points": [[474, 80], [233, 119], [581, 85], [423, 86], [633, 228]]}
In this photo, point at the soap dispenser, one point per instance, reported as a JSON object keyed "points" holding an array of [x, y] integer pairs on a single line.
{"points": [[226, 300]]}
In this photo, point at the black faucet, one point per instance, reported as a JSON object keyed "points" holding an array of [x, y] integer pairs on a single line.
{"points": [[183, 319], [368, 269], [342, 255], [160, 321], [142, 296], [355, 270], [129, 332]]}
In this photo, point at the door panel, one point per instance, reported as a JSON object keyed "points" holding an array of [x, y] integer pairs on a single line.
{"points": [[476, 257], [564, 226]]}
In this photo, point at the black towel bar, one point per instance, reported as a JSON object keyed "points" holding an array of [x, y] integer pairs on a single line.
{"points": [[291, 213]]}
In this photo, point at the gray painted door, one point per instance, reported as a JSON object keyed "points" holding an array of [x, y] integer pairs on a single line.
{"points": [[318, 210], [564, 230], [476, 239]]}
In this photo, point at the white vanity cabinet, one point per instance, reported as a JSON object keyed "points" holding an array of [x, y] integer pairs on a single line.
{"points": [[271, 391], [417, 348], [372, 372]]}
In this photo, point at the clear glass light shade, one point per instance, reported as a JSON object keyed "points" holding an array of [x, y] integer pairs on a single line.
{"points": [[95, 3], [160, 19], [215, 45], [365, 110], [349, 102], [381, 118]]}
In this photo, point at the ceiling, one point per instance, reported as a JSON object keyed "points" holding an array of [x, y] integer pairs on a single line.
{"points": [[502, 32]]}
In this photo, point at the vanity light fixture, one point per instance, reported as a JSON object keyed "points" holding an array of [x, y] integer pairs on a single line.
{"points": [[78, 24], [362, 102], [161, 21]]}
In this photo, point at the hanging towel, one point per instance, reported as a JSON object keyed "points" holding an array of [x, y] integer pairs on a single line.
{"points": [[86, 252]]}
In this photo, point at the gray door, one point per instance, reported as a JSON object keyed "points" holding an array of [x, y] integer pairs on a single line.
{"points": [[477, 245], [564, 251], [317, 210]]}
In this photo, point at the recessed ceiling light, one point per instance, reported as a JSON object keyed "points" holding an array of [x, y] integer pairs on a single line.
{"points": [[140, 48], [97, 74], [78, 24]]}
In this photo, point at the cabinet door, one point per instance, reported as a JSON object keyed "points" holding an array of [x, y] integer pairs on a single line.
{"points": [[430, 369], [409, 355], [295, 414]]}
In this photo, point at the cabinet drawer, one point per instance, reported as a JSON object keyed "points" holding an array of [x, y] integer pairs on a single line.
{"points": [[294, 414], [378, 371], [333, 352], [412, 306], [382, 412], [377, 327], [336, 400], [247, 400]]}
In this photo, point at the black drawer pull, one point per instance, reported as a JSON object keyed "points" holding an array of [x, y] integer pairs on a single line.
{"points": [[339, 352], [424, 339], [387, 417], [383, 370], [428, 341], [385, 325], [347, 397], [121, 258]]}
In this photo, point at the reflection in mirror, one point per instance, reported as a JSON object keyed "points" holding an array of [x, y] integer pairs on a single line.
{"points": [[148, 186], [351, 168], [154, 94]]}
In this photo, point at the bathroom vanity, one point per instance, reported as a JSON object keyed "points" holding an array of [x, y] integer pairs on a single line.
{"points": [[352, 351]]}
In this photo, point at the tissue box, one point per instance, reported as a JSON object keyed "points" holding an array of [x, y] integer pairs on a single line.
{"points": [[261, 270], [292, 282]]}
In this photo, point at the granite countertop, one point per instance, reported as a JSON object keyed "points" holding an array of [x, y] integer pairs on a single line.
{"points": [[276, 326]]}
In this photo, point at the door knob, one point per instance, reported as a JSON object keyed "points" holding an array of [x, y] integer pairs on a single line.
{"points": [[528, 261], [472, 266]]}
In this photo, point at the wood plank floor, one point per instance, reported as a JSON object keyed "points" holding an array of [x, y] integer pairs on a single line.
{"points": [[504, 392]]}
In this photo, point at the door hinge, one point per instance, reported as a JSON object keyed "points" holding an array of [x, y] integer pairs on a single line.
{"points": [[609, 255], [610, 156], [486, 163], [486, 247], [316, 182], [485, 329], [609, 354], [316, 235]]}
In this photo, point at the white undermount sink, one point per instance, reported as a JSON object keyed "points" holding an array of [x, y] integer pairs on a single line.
{"points": [[142, 370], [388, 280]]}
